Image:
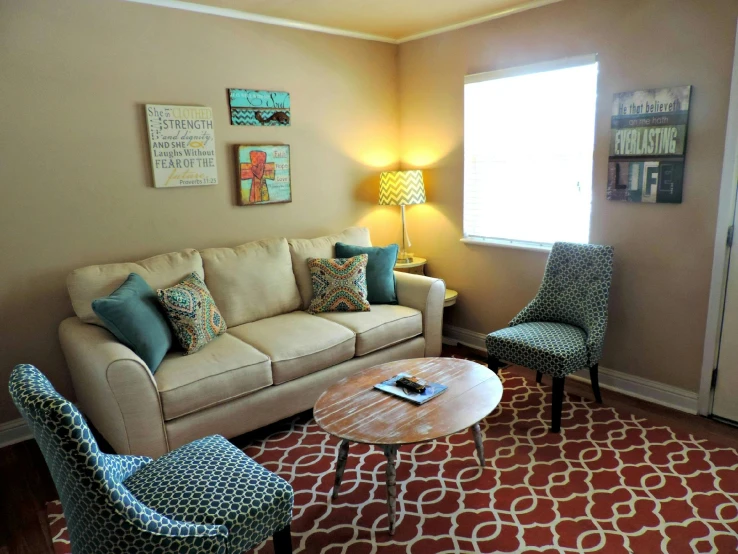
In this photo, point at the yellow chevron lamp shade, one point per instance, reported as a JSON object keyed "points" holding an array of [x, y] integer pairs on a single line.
{"points": [[401, 188]]}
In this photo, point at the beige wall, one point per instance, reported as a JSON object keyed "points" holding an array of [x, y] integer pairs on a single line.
{"points": [[663, 253], [76, 183], [74, 162]]}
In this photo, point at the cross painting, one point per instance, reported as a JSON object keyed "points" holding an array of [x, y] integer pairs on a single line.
{"points": [[264, 175], [262, 108]]}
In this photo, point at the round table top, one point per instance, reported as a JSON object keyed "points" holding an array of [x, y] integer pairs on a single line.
{"points": [[353, 409], [450, 298], [417, 262]]}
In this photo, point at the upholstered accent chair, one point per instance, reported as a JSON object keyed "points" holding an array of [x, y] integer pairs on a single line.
{"points": [[563, 328], [205, 497]]}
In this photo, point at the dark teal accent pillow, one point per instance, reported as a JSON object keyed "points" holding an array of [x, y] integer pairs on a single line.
{"points": [[380, 277], [133, 314]]}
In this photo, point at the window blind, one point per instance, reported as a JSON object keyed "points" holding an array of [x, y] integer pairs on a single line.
{"points": [[528, 144]]}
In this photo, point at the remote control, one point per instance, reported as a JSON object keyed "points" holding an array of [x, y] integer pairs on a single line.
{"points": [[412, 383]]}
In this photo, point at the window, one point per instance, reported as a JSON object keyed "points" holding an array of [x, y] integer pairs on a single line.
{"points": [[528, 143]]}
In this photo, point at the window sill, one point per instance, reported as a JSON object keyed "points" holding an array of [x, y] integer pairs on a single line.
{"points": [[502, 243]]}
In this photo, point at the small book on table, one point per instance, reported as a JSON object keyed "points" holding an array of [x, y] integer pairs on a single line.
{"points": [[391, 386]]}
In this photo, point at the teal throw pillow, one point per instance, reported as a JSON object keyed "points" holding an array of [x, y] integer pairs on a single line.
{"points": [[380, 276], [133, 314]]}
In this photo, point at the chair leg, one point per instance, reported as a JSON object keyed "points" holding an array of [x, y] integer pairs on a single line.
{"points": [[283, 540], [539, 377], [557, 403], [493, 363], [595, 378]]}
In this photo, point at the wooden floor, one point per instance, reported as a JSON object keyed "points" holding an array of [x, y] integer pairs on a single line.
{"points": [[26, 486]]}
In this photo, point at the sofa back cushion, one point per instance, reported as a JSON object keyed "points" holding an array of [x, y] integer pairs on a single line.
{"points": [[95, 281], [252, 281], [321, 247]]}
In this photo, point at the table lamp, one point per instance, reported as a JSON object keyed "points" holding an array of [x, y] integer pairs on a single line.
{"points": [[400, 188]]}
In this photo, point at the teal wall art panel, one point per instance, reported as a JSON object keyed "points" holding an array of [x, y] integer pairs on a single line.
{"points": [[260, 108]]}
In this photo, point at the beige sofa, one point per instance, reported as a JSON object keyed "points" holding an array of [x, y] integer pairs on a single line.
{"points": [[274, 361]]}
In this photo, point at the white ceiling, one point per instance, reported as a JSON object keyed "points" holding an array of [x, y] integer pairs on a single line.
{"points": [[390, 20]]}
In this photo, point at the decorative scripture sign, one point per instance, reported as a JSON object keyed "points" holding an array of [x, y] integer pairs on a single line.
{"points": [[648, 140], [264, 175], [182, 145], [259, 107]]}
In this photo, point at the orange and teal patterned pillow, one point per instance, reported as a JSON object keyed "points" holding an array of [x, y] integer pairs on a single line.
{"points": [[339, 284], [192, 312]]}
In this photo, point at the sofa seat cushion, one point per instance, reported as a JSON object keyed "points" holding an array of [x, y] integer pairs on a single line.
{"points": [[223, 370], [383, 326], [298, 343]]}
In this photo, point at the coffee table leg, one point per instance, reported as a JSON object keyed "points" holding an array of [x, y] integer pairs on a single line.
{"points": [[391, 452], [477, 432], [343, 451]]}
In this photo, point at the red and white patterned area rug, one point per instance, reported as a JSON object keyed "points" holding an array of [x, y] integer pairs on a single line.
{"points": [[610, 482]]}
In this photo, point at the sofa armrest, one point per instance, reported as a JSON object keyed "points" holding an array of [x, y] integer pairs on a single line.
{"points": [[114, 389], [427, 295]]}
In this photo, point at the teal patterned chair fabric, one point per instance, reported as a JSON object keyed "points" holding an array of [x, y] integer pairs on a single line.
{"points": [[205, 497], [562, 330]]}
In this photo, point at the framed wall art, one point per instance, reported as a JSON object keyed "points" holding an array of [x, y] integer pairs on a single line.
{"points": [[259, 107], [648, 142], [182, 145], [264, 175]]}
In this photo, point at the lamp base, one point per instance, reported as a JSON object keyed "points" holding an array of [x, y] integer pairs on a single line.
{"points": [[405, 257]]}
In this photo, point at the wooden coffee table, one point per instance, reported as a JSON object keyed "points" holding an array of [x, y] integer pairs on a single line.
{"points": [[354, 411]]}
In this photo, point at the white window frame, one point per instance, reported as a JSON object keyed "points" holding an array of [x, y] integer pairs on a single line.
{"points": [[552, 65]]}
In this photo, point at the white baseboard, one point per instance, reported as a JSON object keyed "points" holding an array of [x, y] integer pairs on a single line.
{"points": [[14, 431], [632, 385], [453, 335]]}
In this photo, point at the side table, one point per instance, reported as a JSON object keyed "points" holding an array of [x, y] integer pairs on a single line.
{"points": [[417, 266], [450, 298]]}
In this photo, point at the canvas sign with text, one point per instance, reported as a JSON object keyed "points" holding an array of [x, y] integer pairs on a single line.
{"points": [[648, 141], [182, 144]]}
